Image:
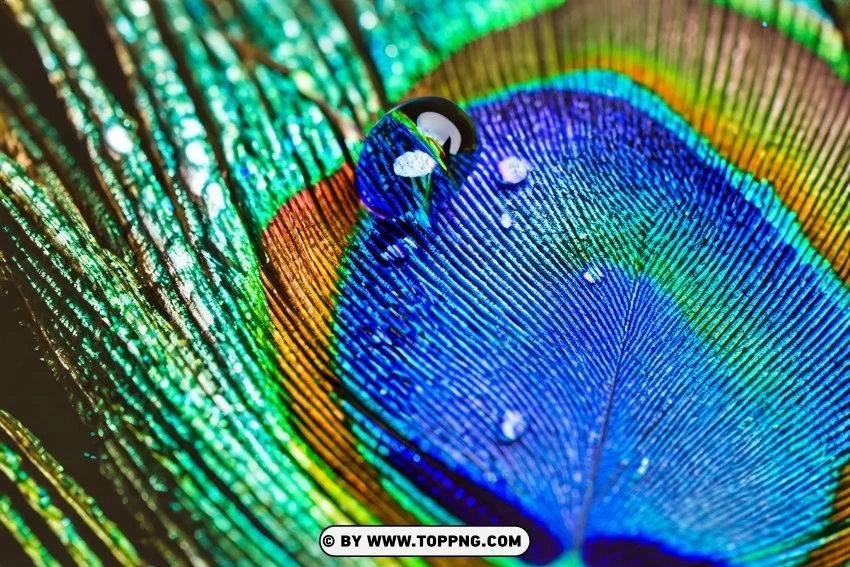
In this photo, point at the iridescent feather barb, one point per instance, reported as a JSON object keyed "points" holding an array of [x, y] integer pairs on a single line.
{"points": [[604, 298]]}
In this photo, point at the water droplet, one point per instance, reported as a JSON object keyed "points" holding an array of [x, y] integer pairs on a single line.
{"points": [[191, 128], [303, 80], [440, 129], [196, 154], [414, 164], [326, 44], [118, 139], [139, 8], [291, 28], [593, 275], [506, 221], [157, 484], [513, 426], [196, 179], [368, 20], [75, 57], [513, 170], [215, 199], [644, 463], [393, 252]]}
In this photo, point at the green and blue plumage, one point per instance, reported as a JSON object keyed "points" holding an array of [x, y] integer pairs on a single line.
{"points": [[620, 320]]}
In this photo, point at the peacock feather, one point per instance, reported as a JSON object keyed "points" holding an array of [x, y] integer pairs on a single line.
{"points": [[580, 267]]}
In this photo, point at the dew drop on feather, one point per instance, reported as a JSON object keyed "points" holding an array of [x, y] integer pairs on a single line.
{"points": [[118, 139], [513, 170], [512, 426]]}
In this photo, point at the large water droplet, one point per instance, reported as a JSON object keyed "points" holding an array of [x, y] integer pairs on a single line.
{"points": [[414, 164], [440, 129]]}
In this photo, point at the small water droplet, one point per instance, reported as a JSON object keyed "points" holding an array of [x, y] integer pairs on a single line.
{"points": [[196, 154], [326, 44], [593, 275], [513, 170], [118, 139], [215, 199], [644, 464], [368, 20], [157, 484], [191, 128], [393, 252], [196, 179], [303, 80], [75, 57], [513, 426], [291, 28], [506, 221], [139, 8]]}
